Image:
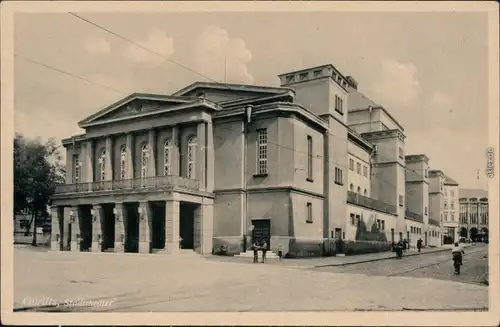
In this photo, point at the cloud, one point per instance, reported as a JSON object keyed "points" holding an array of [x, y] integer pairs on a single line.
{"points": [[158, 41], [396, 85], [440, 100], [97, 46], [220, 57]]}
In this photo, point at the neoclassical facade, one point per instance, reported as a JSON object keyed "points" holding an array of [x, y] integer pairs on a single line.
{"points": [[474, 214]]}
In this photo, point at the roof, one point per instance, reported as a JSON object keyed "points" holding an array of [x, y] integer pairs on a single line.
{"points": [[472, 193], [450, 181], [357, 100], [231, 87]]}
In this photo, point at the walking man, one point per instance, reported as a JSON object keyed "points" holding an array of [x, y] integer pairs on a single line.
{"points": [[264, 249], [255, 248], [419, 244]]}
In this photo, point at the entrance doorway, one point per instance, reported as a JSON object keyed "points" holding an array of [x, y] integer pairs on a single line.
{"points": [[86, 227], [131, 224], [157, 225], [186, 224], [108, 226], [261, 231]]}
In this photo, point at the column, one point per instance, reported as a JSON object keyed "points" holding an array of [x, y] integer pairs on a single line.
{"points": [[152, 152], [129, 171], [200, 158], [172, 226], [108, 173], [97, 215], [75, 229], [197, 228], [89, 161], [55, 237], [210, 166], [66, 222], [207, 226], [120, 214], [144, 227], [176, 160]]}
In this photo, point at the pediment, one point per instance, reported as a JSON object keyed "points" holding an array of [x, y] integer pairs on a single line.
{"points": [[134, 105]]}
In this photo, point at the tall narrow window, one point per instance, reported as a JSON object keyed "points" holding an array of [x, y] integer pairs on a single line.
{"points": [[359, 190], [309, 158], [167, 158], [191, 162], [144, 160], [365, 171], [401, 153], [351, 187], [123, 162], [76, 168], [351, 164], [262, 152], [338, 176], [358, 168], [102, 164], [309, 212]]}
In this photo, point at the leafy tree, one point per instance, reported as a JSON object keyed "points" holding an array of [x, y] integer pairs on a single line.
{"points": [[37, 171]]}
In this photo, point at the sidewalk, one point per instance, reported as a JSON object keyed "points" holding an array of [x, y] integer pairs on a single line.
{"points": [[318, 262]]}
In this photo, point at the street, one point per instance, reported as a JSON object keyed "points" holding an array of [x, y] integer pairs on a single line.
{"points": [[107, 282], [436, 266]]}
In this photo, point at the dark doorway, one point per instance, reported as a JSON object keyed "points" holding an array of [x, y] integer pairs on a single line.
{"points": [[85, 228], [157, 225], [425, 238], [463, 232], [473, 234], [262, 231], [108, 226], [392, 235], [131, 223], [70, 227], [186, 225]]}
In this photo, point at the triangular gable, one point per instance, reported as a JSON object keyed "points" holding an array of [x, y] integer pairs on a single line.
{"points": [[134, 104], [224, 92]]}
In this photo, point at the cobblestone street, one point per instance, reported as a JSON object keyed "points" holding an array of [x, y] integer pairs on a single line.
{"points": [[138, 283]]}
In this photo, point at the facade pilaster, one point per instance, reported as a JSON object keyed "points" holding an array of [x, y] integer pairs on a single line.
{"points": [[172, 216], [120, 214], [97, 216], [108, 164], [176, 152], [55, 237], [89, 161], [129, 162], [65, 221], [145, 220], [152, 153], [75, 229], [210, 165], [201, 155]]}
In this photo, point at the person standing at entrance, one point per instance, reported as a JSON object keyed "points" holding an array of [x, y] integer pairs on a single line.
{"points": [[255, 249], [264, 249], [419, 244]]}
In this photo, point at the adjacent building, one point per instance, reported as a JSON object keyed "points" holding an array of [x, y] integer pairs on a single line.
{"points": [[473, 214], [213, 165], [451, 230]]}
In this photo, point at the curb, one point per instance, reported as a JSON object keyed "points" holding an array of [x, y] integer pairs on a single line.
{"points": [[377, 259]]}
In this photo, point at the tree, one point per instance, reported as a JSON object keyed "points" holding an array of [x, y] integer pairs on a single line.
{"points": [[37, 171]]}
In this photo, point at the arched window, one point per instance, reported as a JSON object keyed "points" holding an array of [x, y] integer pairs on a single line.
{"points": [[351, 187], [359, 190], [123, 162], [102, 164], [191, 162], [144, 160], [167, 157], [446, 205], [366, 192]]}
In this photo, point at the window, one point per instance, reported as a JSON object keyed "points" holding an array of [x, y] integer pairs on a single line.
{"points": [[167, 157], [338, 176], [378, 224], [357, 220], [452, 216], [365, 192], [352, 219], [351, 187], [359, 190], [144, 160], [351, 164], [446, 205], [309, 158], [339, 104], [401, 153], [425, 210], [445, 217], [290, 79], [425, 173], [358, 168], [453, 205], [262, 152], [317, 73], [411, 229], [76, 168], [441, 186], [102, 164], [401, 200], [123, 162], [303, 76], [382, 227], [365, 171], [191, 162], [452, 193], [309, 212]]}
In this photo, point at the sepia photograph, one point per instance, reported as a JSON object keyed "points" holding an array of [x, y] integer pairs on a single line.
{"points": [[299, 161]]}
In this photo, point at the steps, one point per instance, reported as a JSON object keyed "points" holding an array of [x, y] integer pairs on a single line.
{"points": [[249, 254]]}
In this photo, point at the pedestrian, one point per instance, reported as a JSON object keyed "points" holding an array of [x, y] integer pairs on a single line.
{"points": [[405, 244], [255, 248], [264, 249], [280, 251], [419, 244]]}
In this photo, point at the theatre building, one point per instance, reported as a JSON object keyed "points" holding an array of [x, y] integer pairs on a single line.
{"points": [[224, 165]]}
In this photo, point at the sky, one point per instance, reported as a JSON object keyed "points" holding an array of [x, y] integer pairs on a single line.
{"points": [[428, 69]]}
